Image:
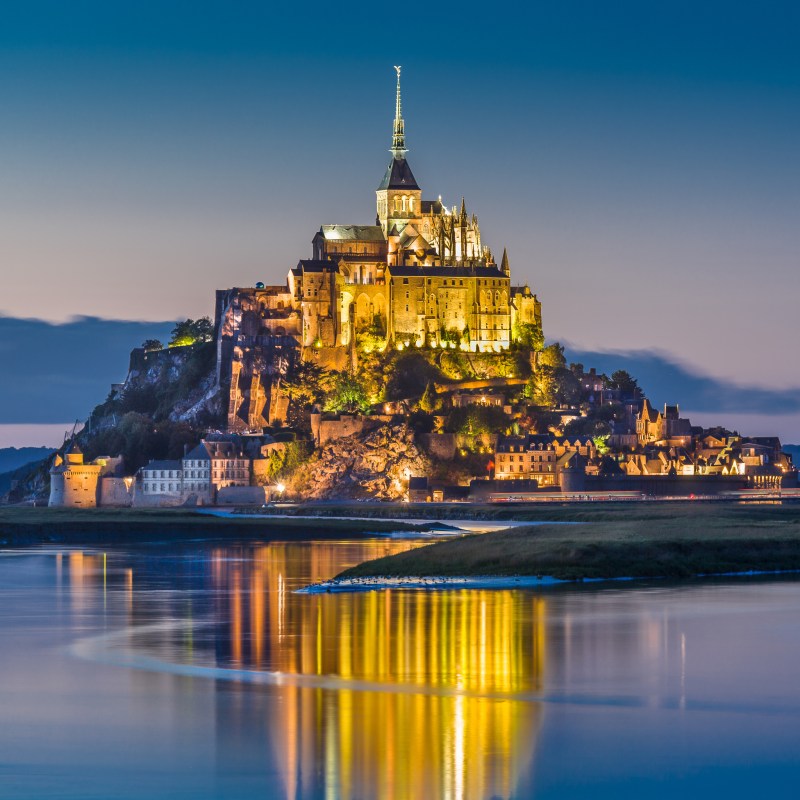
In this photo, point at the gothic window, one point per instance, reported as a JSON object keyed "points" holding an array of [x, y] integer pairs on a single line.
{"points": [[405, 203], [411, 203]]}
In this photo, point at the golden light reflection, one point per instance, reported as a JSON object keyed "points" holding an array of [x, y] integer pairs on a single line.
{"points": [[426, 707], [404, 694]]}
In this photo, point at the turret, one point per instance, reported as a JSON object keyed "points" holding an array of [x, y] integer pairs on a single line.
{"points": [[504, 265]]}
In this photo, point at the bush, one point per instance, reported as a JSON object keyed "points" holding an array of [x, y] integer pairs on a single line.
{"points": [[477, 419]]}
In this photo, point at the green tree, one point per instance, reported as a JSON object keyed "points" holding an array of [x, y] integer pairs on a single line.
{"points": [[528, 335], [601, 443], [347, 395], [308, 383], [476, 419], [624, 382], [192, 331], [152, 345], [554, 386], [429, 401], [552, 356]]}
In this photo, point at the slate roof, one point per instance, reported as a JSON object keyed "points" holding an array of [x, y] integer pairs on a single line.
{"points": [[356, 233], [430, 206], [313, 266], [398, 176]]}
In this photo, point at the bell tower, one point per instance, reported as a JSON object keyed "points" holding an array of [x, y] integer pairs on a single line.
{"points": [[398, 197]]}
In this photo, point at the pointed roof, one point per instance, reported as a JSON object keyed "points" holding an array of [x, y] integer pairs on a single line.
{"points": [[648, 412], [463, 209], [398, 175], [504, 263], [73, 449]]}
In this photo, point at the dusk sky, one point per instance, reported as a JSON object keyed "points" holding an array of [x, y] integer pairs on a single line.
{"points": [[639, 162]]}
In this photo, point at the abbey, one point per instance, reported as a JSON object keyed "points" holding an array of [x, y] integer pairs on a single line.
{"points": [[421, 275]]}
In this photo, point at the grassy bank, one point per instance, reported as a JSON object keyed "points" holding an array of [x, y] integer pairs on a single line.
{"points": [[665, 540], [27, 526]]}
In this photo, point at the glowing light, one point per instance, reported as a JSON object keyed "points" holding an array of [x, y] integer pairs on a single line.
{"points": [[280, 488]]}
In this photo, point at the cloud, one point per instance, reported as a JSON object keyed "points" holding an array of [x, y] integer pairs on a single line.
{"points": [[55, 372], [665, 380]]}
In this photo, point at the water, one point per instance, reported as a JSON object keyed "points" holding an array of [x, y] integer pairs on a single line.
{"points": [[196, 672]]}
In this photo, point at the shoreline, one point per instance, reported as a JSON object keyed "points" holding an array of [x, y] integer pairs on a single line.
{"points": [[27, 527], [501, 583], [677, 543]]}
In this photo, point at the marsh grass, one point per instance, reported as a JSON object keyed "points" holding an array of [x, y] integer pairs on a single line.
{"points": [[669, 540]]}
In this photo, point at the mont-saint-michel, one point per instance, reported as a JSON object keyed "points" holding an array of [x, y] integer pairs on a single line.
{"points": [[399, 433], [401, 361]]}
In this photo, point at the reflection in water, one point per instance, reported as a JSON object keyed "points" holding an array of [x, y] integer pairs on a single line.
{"points": [[208, 678], [434, 715]]}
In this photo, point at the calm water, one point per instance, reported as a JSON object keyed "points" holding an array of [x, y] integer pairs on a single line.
{"points": [[197, 673]]}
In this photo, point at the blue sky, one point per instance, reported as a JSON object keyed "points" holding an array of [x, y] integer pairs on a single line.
{"points": [[639, 162]]}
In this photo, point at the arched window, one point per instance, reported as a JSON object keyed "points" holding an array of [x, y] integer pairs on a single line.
{"points": [[411, 204], [405, 202], [396, 203]]}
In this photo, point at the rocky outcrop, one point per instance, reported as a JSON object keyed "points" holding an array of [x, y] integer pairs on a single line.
{"points": [[376, 466]]}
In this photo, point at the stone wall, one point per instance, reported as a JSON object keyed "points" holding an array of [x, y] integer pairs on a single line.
{"points": [[117, 492], [329, 430], [242, 496]]}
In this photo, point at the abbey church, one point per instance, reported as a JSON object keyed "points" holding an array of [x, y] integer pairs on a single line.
{"points": [[421, 276]]}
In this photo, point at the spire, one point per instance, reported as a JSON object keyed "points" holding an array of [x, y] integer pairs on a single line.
{"points": [[463, 210], [398, 136], [504, 267]]}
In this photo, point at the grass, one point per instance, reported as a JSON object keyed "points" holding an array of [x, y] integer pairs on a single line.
{"points": [[24, 526], [642, 540]]}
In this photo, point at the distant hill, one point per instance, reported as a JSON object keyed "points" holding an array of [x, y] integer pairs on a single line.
{"points": [[794, 451], [11, 458], [23, 472]]}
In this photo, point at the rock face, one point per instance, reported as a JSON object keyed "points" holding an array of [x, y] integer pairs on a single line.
{"points": [[376, 466]]}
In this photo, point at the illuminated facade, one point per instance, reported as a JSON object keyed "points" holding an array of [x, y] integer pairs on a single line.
{"points": [[77, 484], [421, 275]]}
